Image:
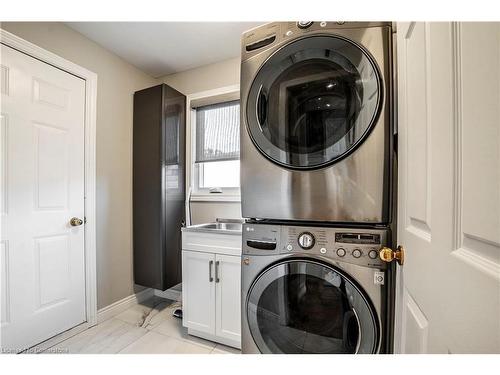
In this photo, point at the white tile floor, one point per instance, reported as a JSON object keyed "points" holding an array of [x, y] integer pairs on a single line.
{"points": [[148, 328]]}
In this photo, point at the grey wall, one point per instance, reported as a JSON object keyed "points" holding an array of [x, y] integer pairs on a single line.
{"points": [[208, 77], [117, 81]]}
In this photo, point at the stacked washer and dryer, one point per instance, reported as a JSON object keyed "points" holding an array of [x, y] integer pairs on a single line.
{"points": [[316, 187]]}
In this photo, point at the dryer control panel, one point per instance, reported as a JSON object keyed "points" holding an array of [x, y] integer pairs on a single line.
{"points": [[273, 33], [351, 245]]}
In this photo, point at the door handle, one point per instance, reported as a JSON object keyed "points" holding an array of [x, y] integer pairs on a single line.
{"points": [[210, 278], [388, 255], [261, 108], [261, 245], [217, 272], [75, 222]]}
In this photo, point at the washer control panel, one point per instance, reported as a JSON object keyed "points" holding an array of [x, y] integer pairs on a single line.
{"points": [[358, 246], [350, 245]]}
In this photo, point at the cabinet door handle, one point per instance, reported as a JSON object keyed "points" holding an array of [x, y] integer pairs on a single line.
{"points": [[217, 272], [210, 278]]}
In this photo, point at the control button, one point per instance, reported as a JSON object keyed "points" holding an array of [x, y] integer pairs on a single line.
{"points": [[373, 254], [322, 23], [289, 247], [356, 253], [378, 278], [304, 24], [340, 252], [289, 32], [340, 22], [322, 250], [306, 240]]}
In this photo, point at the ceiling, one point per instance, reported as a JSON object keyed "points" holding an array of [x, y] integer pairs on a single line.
{"points": [[161, 48]]}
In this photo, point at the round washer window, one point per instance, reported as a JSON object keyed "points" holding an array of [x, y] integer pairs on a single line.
{"points": [[313, 101], [306, 307]]}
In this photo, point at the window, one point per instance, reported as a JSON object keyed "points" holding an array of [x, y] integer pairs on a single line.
{"points": [[221, 174], [217, 148]]}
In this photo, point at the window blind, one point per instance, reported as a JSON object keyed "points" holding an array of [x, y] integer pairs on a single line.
{"points": [[218, 132]]}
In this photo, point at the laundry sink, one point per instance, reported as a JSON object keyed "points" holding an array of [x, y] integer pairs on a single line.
{"points": [[221, 226], [228, 226]]}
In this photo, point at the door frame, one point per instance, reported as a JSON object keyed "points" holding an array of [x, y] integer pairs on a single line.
{"points": [[90, 79]]}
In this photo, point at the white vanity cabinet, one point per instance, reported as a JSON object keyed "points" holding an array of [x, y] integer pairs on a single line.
{"points": [[211, 286]]}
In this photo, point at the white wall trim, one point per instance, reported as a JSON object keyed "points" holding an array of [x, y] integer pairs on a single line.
{"points": [[90, 78], [404, 30], [214, 93], [215, 198], [120, 306]]}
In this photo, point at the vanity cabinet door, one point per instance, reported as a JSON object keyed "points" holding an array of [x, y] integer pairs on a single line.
{"points": [[198, 291], [228, 296]]}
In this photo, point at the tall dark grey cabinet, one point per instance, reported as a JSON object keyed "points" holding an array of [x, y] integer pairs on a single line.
{"points": [[158, 185]]}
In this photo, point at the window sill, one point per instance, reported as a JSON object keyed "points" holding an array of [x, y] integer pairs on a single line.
{"points": [[215, 198]]}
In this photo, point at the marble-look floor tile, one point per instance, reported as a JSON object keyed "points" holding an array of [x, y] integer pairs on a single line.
{"points": [[162, 315], [156, 343], [223, 349], [172, 327], [146, 328], [108, 337], [139, 315]]}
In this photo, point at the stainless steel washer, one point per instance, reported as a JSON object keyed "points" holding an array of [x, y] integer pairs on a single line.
{"points": [[313, 290], [316, 116]]}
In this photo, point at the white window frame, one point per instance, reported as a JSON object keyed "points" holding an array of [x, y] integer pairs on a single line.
{"points": [[219, 95]]}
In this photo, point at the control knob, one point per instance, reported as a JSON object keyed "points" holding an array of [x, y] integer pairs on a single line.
{"points": [[356, 253], [304, 24], [306, 240], [340, 252], [373, 254]]}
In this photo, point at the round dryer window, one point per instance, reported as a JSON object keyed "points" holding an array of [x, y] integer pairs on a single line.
{"points": [[313, 102], [307, 307]]}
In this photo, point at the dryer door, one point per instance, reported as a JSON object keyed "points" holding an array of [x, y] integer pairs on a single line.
{"points": [[313, 102], [301, 307]]}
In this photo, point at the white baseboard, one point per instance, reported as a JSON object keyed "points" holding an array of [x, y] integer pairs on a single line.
{"points": [[120, 306], [174, 293]]}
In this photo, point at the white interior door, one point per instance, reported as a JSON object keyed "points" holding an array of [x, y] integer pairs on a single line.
{"points": [[449, 187], [42, 188], [228, 297]]}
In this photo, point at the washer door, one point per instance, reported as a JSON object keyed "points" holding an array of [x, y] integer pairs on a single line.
{"points": [[313, 102], [301, 306]]}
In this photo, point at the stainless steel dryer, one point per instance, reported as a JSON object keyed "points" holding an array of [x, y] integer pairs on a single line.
{"points": [[316, 134], [313, 290]]}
